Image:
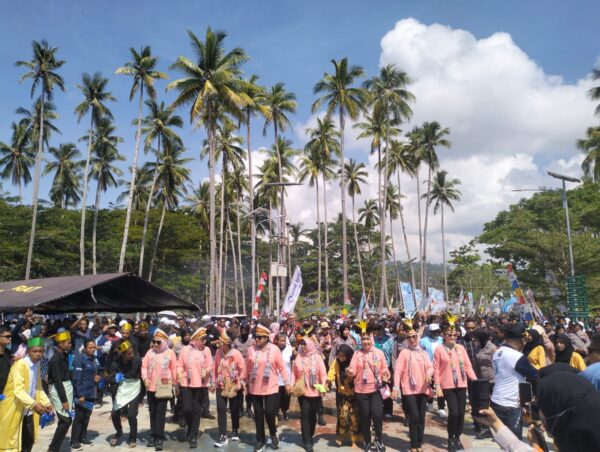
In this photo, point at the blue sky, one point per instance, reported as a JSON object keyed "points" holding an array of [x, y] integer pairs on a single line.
{"points": [[287, 41]]}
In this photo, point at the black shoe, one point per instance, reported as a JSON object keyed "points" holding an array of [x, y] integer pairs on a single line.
{"points": [[235, 436], [182, 422], [484, 433], [76, 446], [321, 421], [87, 442], [459, 444], [452, 446], [379, 447], [158, 445], [193, 443], [150, 442], [274, 442], [208, 416], [308, 447], [259, 446]]}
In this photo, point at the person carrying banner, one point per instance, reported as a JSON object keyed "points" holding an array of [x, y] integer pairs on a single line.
{"points": [[60, 388], [125, 372]]}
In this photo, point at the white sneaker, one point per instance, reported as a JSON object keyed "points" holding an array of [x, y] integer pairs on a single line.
{"points": [[430, 408], [442, 414], [222, 442]]}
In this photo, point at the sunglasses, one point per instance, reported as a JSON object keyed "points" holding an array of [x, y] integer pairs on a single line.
{"points": [[451, 334], [413, 336], [156, 342]]}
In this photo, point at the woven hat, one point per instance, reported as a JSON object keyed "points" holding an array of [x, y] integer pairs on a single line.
{"points": [[160, 334], [225, 338], [200, 333], [262, 331]]}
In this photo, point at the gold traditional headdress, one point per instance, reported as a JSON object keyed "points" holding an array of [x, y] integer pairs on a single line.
{"points": [[451, 320], [62, 336], [124, 346]]}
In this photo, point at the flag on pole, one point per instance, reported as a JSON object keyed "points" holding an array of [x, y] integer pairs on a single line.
{"points": [[261, 287], [293, 293], [515, 285]]}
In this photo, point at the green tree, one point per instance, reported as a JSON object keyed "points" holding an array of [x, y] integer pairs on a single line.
{"points": [[142, 69], [339, 94], [210, 83], [41, 69], [65, 183], [94, 97], [17, 157], [157, 125], [590, 145], [103, 170], [443, 193], [594, 93]]}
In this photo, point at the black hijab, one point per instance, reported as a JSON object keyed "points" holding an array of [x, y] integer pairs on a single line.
{"points": [[570, 404], [565, 355], [347, 351], [536, 340]]}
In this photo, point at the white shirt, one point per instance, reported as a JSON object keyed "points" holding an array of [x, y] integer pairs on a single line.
{"points": [[506, 388], [286, 354], [34, 369]]}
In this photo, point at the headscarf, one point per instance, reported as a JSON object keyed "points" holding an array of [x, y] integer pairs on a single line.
{"points": [[347, 351], [160, 335], [308, 352], [309, 348], [536, 340], [570, 405], [565, 355], [274, 327], [341, 329]]}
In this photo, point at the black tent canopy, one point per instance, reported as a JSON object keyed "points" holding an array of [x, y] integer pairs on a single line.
{"points": [[112, 292]]}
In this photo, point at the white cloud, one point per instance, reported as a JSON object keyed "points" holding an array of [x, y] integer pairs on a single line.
{"points": [[510, 122]]}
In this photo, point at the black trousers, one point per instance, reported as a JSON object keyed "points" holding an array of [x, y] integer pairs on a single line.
{"points": [[131, 410], [205, 406], [284, 399], [370, 409], [265, 408], [61, 432], [80, 423], [457, 402], [27, 434], [309, 407], [193, 400], [158, 412], [234, 407], [248, 398], [416, 407]]}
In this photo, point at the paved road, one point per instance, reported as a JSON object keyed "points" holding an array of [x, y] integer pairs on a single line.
{"points": [[395, 434]]}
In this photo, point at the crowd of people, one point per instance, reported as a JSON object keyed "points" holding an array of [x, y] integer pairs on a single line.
{"points": [[59, 370]]}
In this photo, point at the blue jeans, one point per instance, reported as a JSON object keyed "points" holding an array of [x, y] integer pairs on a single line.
{"points": [[511, 417]]}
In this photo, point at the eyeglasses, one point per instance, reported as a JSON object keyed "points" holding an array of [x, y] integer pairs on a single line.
{"points": [[413, 336], [451, 334], [156, 342]]}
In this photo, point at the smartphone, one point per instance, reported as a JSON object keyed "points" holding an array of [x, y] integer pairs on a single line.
{"points": [[525, 394], [480, 396], [534, 411]]}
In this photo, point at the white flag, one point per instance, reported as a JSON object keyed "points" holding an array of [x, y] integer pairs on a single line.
{"points": [[293, 293]]}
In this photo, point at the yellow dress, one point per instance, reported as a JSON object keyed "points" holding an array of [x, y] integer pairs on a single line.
{"points": [[577, 362], [347, 423], [537, 357], [17, 400]]}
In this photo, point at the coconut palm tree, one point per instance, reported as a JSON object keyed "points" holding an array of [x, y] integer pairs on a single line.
{"points": [[389, 97], [173, 175], [356, 175], [17, 157], [254, 92], [238, 185], [591, 146], [340, 95], [324, 145], [368, 215], [157, 125], [94, 97], [103, 169], [199, 203], [65, 183], [392, 204], [401, 160], [431, 136], [594, 93], [275, 104], [141, 193], [443, 193], [41, 69], [142, 69], [210, 83]]}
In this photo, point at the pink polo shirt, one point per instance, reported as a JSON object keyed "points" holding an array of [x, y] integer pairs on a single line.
{"points": [[301, 369], [158, 367], [192, 365], [362, 366], [230, 366], [260, 386], [444, 359], [417, 363]]}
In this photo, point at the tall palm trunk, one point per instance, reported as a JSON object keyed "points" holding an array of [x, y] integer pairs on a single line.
{"points": [[147, 214], [223, 304], [409, 259], [282, 229], [136, 151], [420, 230], [155, 248], [94, 226], [343, 189], [253, 272], [212, 288], [83, 202], [319, 239], [326, 242], [36, 187], [444, 254], [270, 255], [427, 203], [222, 238], [382, 222], [241, 266], [394, 256], [235, 269], [362, 281]]}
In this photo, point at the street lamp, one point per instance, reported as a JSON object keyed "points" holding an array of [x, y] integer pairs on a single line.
{"points": [[564, 178]]}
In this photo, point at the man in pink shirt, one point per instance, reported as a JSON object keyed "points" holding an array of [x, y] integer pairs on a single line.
{"points": [[263, 364]]}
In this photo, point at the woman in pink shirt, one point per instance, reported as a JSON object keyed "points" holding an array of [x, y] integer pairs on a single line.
{"points": [[194, 369], [369, 368], [310, 367], [158, 366], [413, 373], [451, 371], [263, 364], [230, 371]]}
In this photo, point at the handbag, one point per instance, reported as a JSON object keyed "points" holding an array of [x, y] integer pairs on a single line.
{"points": [[164, 390], [299, 388], [229, 390], [384, 390]]}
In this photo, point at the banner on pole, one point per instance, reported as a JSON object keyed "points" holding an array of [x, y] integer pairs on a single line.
{"points": [[515, 284], [407, 298], [363, 305], [293, 293]]}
